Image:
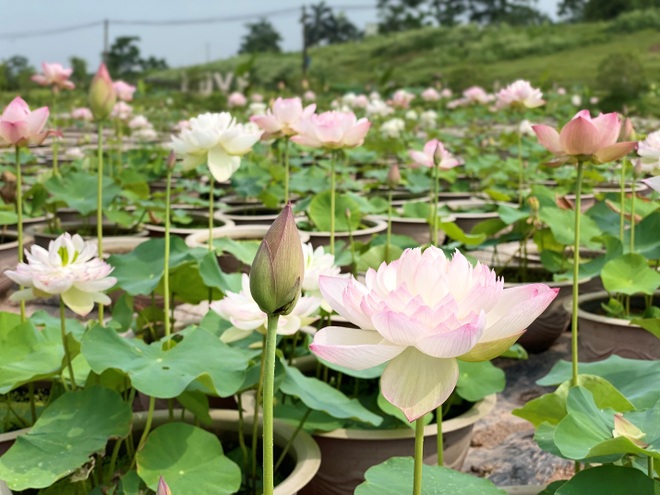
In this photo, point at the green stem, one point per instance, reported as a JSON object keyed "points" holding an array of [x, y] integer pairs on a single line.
{"points": [[622, 216], [419, 456], [389, 226], [166, 273], [434, 231], [99, 204], [33, 404], [241, 432], [294, 345], [649, 467], [257, 400], [301, 423], [521, 171], [632, 213], [269, 391], [441, 451], [147, 426], [333, 186], [19, 213], [211, 211], [113, 458], [286, 171], [55, 144], [67, 356], [576, 267]]}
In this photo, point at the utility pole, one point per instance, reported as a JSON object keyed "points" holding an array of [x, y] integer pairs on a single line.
{"points": [[106, 49], [305, 58]]}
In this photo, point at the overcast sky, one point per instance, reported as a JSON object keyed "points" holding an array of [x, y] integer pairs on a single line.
{"points": [[178, 45]]}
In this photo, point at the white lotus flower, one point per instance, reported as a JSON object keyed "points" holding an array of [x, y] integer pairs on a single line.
{"points": [[317, 263], [70, 269]]}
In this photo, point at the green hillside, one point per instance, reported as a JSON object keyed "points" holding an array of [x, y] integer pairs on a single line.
{"points": [[566, 54]]}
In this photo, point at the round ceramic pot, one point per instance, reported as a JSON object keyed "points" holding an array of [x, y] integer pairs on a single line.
{"points": [[416, 228], [255, 214], [42, 237], [373, 226], [469, 212], [198, 218], [9, 256], [228, 262], [523, 489], [347, 454], [601, 336]]}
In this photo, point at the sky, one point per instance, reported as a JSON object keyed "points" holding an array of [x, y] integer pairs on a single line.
{"points": [[179, 45]]}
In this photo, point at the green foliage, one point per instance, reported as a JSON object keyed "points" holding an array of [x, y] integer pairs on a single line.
{"points": [[125, 62], [623, 77], [262, 37]]}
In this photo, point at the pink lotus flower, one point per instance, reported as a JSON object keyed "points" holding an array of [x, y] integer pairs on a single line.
{"points": [[331, 130], [236, 99], [21, 127], [121, 111], [82, 113], [54, 75], [521, 94], [653, 183], [70, 269], [124, 90], [434, 154], [309, 96], [102, 95], [401, 98], [257, 97], [472, 95], [282, 118], [585, 139], [649, 149], [420, 314], [430, 94]]}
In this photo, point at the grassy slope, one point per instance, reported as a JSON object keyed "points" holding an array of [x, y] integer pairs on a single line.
{"points": [[565, 54]]}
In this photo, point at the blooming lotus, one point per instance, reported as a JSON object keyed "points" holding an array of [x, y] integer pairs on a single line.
{"points": [[139, 122], [21, 127], [420, 314], [281, 119], [331, 130], [653, 183], [649, 149], [82, 113], [69, 268], [309, 96], [393, 128], [429, 118], [521, 94], [54, 75], [121, 111], [257, 97], [434, 154], [317, 263], [242, 311], [236, 99], [123, 90], [401, 98], [215, 138], [430, 94], [586, 139]]}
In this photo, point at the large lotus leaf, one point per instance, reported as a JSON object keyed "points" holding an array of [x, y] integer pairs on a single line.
{"points": [[78, 190], [477, 380], [455, 233], [320, 396], [610, 480], [638, 380], [159, 372], [630, 274], [189, 459], [562, 225], [243, 250], [651, 325], [7, 322], [140, 271], [28, 354], [395, 476], [187, 284], [213, 276], [647, 240], [70, 430], [320, 212], [586, 431]]}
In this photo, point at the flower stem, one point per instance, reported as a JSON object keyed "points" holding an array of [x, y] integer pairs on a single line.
{"points": [[241, 432], [301, 423], [521, 171], [211, 198], [55, 143], [147, 426], [333, 186], [99, 204], [622, 216], [67, 356], [19, 213], [419, 456], [257, 400], [166, 273], [269, 391], [576, 267], [441, 451], [434, 216], [649, 467], [632, 213], [389, 226], [286, 171]]}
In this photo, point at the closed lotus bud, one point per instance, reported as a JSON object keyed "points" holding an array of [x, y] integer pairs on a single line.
{"points": [[278, 268], [171, 160], [393, 176], [624, 428], [163, 489], [102, 95], [627, 133], [638, 167], [534, 203]]}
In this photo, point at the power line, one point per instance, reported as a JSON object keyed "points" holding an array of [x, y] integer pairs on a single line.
{"points": [[48, 32]]}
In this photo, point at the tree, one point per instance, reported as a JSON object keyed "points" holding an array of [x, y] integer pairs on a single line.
{"points": [[124, 60], [17, 72], [401, 15], [600, 10], [79, 66], [322, 25], [447, 12], [261, 38], [505, 11]]}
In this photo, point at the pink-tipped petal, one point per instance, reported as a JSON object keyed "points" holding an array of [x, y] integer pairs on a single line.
{"points": [[653, 183], [579, 137], [353, 348], [417, 383], [609, 127], [344, 296], [616, 151], [549, 138], [16, 111], [356, 135], [37, 120], [398, 328], [455, 342]]}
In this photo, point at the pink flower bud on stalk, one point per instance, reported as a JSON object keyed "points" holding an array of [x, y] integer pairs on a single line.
{"points": [[171, 160], [102, 94], [279, 267], [21, 127], [393, 176], [163, 489]]}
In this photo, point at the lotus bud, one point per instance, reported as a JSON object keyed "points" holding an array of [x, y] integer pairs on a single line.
{"points": [[627, 132], [171, 160], [163, 489], [348, 214], [393, 176], [638, 167], [624, 428], [102, 95], [278, 268], [533, 203]]}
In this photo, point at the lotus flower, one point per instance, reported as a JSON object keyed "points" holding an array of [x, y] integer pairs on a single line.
{"points": [[121, 111], [393, 128], [281, 119], [420, 314], [163, 488], [649, 149], [215, 138], [520, 94], [54, 75], [430, 94], [586, 139], [318, 263], [21, 127], [309, 96], [82, 113], [434, 154], [401, 99], [123, 90], [331, 130], [236, 99], [70, 269], [653, 183]]}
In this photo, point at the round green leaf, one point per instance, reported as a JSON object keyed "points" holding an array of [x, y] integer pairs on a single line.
{"points": [[477, 380], [189, 459], [630, 274], [70, 430], [320, 212], [613, 480]]}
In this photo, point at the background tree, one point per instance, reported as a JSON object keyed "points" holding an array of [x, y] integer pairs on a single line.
{"points": [[447, 12], [261, 37], [323, 26], [17, 72], [401, 15], [79, 66], [516, 12], [600, 10], [124, 61]]}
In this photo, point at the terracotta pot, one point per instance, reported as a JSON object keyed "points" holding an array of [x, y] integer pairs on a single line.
{"points": [[347, 454], [42, 237], [601, 336], [197, 217], [467, 219], [253, 214], [416, 228], [373, 226], [523, 489], [228, 263], [9, 256]]}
